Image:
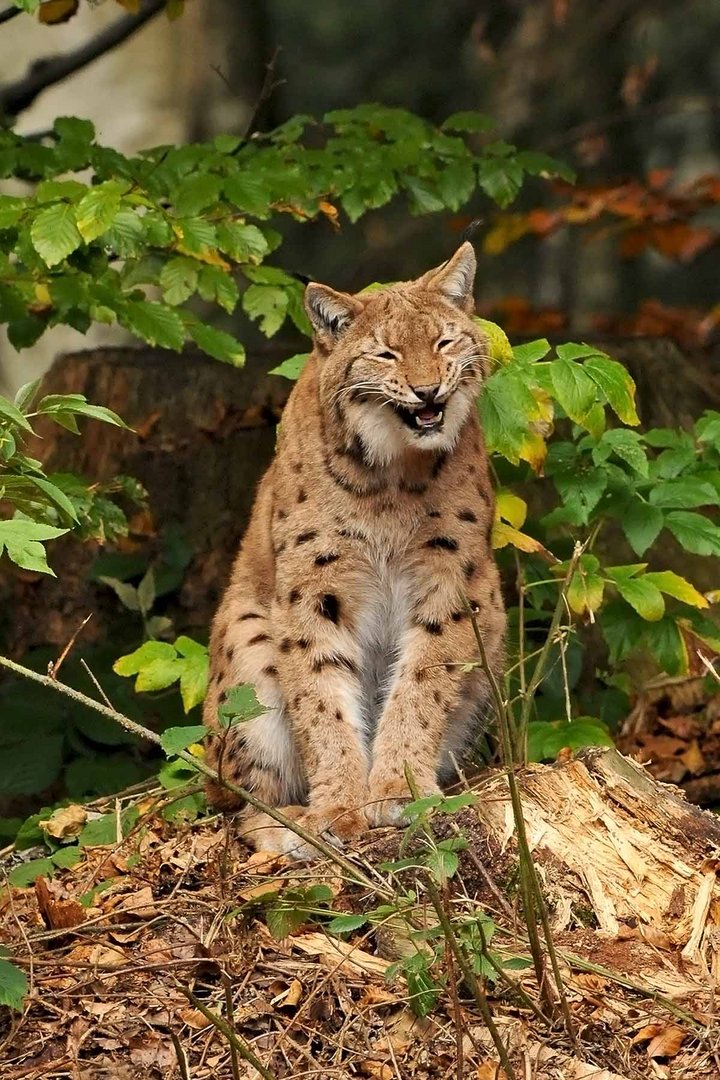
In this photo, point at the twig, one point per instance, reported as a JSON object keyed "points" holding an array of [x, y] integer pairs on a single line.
{"points": [[533, 898], [97, 686], [181, 1056], [9, 13], [232, 1037], [53, 668], [270, 84], [247, 796], [49, 70], [227, 987]]}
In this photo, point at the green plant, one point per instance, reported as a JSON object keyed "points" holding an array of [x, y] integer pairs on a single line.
{"points": [[192, 224]]}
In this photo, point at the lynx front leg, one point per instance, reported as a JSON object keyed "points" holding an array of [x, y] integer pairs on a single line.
{"points": [[428, 686], [319, 671]]}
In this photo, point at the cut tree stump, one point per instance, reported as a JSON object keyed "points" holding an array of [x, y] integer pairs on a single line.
{"points": [[610, 841]]}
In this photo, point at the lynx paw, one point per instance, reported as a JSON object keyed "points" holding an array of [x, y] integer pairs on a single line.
{"points": [[388, 798], [337, 825]]}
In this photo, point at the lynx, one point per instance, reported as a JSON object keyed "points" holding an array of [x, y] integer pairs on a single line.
{"points": [[347, 608]]}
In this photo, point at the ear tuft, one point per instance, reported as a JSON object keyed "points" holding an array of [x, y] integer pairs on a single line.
{"points": [[330, 312], [455, 279]]}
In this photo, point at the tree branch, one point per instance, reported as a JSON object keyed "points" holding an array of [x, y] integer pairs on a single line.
{"points": [[9, 13], [18, 96]]}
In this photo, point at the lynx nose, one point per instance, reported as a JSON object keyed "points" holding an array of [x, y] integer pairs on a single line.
{"points": [[426, 393]]}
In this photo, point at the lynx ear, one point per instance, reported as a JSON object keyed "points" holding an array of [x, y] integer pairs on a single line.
{"points": [[330, 312], [455, 279]]}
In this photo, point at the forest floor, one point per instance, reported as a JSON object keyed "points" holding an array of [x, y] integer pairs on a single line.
{"points": [[140, 954]]}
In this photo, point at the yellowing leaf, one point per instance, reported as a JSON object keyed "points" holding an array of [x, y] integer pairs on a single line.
{"points": [[585, 592], [68, 821], [500, 347], [330, 212], [42, 295], [211, 256], [673, 585], [503, 534], [57, 11], [533, 450], [510, 508], [133, 6]]}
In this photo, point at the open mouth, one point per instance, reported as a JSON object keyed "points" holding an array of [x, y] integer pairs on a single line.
{"points": [[423, 421]]}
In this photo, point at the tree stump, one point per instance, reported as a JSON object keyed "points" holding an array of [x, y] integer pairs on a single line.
{"points": [[203, 434], [621, 851]]}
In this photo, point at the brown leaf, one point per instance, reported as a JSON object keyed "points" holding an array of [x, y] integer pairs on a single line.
{"points": [[140, 904], [68, 821], [133, 6], [376, 1069], [490, 1070], [693, 759], [58, 911], [194, 1019], [667, 1043], [52, 12]]}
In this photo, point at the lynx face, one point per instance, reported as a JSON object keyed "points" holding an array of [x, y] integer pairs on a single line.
{"points": [[404, 364]]}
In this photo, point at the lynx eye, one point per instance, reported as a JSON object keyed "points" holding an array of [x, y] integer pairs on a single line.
{"points": [[444, 342], [387, 355]]}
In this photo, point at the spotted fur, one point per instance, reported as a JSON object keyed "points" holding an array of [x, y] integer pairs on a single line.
{"points": [[346, 607]]}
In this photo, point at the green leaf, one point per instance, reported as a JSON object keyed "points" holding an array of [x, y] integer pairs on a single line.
{"points": [[616, 385], [217, 343], [12, 415], [127, 594], [243, 243], [665, 642], [269, 304], [694, 532], [135, 661], [442, 864], [627, 445], [55, 405], [215, 284], [248, 193], [66, 857], [103, 830], [574, 389], [468, 122], [26, 394], [179, 738], [673, 585], [154, 323], [178, 279], [13, 982], [546, 740], [531, 351], [23, 542], [240, 706], [343, 924], [26, 873], [684, 494], [197, 193], [291, 368], [641, 524], [96, 211], [643, 596], [54, 233]]}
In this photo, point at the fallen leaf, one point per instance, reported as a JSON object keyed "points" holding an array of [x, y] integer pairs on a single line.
{"points": [[490, 1070], [68, 821], [194, 1019], [140, 904], [58, 911], [376, 1069], [106, 956], [667, 1043]]}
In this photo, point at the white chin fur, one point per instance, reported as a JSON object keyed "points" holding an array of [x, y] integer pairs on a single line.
{"points": [[385, 436]]}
